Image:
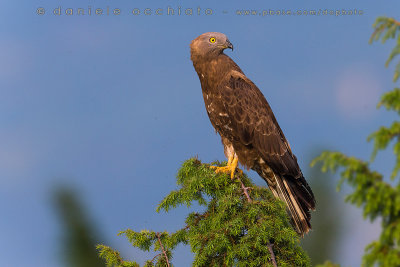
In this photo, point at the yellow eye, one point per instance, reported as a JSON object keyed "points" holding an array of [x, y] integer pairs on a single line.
{"points": [[212, 40]]}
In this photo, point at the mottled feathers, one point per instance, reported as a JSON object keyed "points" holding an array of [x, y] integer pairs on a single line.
{"points": [[242, 116]]}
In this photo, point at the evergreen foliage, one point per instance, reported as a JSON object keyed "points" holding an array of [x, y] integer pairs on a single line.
{"points": [[240, 224], [78, 232], [388, 28], [323, 242], [379, 198]]}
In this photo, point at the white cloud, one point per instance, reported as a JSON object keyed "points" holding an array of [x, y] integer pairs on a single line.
{"points": [[357, 92]]}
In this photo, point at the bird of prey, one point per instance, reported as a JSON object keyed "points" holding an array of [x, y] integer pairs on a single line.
{"points": [[249, 131]]}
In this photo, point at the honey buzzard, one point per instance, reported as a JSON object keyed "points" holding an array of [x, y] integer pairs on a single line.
{"points": [[249, 131]]}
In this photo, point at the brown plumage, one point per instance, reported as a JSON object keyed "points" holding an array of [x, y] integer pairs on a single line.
{"points": [[249, 131]]}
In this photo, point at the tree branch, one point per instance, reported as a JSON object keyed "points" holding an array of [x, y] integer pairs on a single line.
{"points": [[162, 248], [245, 191], [396, 22], [159, 254], [271, 251], [269, 245]]}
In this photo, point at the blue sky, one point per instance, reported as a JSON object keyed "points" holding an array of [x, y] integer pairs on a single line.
{"points": [[112, 105]]}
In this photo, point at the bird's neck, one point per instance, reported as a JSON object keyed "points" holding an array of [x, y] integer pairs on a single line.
{"points": [[212, 69]]}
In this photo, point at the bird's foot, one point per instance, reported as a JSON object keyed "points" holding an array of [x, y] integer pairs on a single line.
{"points": [[230, 168]]}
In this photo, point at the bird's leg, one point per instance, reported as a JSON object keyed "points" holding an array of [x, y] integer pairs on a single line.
{"points": [[230, 167], [234, 165], [230, 160]]}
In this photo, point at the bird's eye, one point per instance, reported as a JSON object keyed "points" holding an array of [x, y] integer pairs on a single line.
{"points": [[212, 40]]}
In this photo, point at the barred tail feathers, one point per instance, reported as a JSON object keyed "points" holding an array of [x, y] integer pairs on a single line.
{"points": [[299, 201]]}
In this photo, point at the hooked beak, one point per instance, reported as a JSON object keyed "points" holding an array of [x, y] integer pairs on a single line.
{"points": [[228, 44]]}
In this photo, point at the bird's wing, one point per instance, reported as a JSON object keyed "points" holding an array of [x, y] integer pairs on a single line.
{"points": [[254, 123]]}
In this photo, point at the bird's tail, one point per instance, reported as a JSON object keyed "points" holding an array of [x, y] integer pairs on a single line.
{"points": [[296, 194]]}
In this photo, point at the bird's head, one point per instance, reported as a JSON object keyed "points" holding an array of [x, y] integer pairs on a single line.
{"points": [[210, 44]]}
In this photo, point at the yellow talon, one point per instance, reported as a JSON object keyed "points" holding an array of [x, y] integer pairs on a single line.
{"points": [[229, 168]]}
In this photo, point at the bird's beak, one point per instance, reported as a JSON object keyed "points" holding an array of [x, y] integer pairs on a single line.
{"points": [[228, 44]]}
